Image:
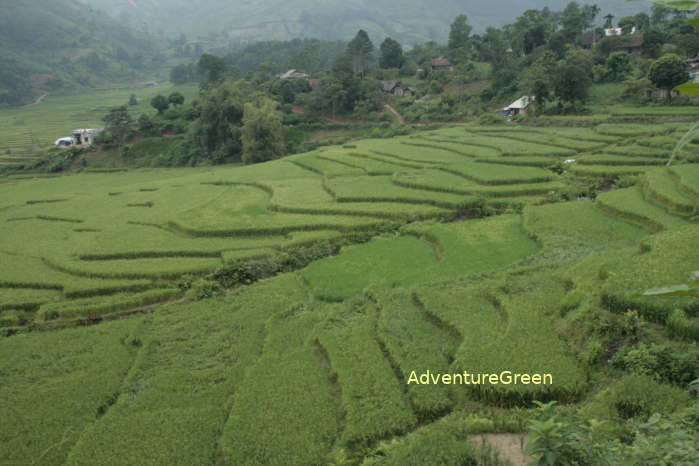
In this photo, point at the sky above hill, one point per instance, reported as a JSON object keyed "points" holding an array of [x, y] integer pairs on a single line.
{"points": [[408, 20]]}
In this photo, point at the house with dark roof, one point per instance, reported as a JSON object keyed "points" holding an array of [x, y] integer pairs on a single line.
{"points": [[398, 89], [633, 44], [441, 64]]}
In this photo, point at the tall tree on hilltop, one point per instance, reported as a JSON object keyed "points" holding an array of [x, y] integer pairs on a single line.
{"points": [[532, 29], [576, 19], [262, 132], [361, 50], [573, 76], [608, 21], [217, 131], [391, 54], [459, 33]]}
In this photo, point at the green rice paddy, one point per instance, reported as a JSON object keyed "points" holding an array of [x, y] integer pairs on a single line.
{"points": [[273, 313]]}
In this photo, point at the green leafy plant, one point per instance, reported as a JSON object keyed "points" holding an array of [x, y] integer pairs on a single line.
{"points": [[691, 289]]}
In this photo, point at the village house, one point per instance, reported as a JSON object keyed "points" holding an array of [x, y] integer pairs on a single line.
{"points": [[693, 63], [79, 137], [441, 64], [293, 74], [518, 107], [662, 94], [633, 44], [398, 89], [618, 31]]}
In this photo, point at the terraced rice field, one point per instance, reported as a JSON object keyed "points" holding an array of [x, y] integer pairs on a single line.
{"points": [[281, 308], [26, 130]]}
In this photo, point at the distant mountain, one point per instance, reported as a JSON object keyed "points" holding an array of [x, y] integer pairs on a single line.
{"points": [[410, 21], [61, 44]]}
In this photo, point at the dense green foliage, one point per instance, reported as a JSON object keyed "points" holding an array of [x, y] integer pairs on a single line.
{"points": [[50, 46]]}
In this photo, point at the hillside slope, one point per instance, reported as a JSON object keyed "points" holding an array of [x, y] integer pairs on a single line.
{"points": [[410, 21], [46, 45]]}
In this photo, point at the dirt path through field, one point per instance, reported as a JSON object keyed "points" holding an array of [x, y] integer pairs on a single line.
{"points": [[400, 118], [38, 100], [508, 446]]}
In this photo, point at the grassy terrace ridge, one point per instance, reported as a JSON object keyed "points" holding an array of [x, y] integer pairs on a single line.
{"points": [[630, 204], [281, 307]]}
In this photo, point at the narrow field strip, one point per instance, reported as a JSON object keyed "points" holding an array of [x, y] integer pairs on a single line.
{"points": [[441, 181], [607, 171], [662, 187], [98, 307], [65, 377], [399, 322], [141, 268], [386, 160], [485, 174], [192, 364], [299, 423], [630, 205], [688, 178], [372, 397], [618, 160]]}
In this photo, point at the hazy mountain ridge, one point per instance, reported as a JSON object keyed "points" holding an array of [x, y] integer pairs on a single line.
{"points": [[410, 21], [52, 44]]}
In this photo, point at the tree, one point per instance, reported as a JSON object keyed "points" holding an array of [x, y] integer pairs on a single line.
{"points": [[575, 20], [160, 103], [133, 100], [262, 132], [653, 40], [212, 67], [216, 133], [532, 29], [391, 54], [668, 71], [182, 74], [573, 77], [659, 13], [627, 23], [537, 79], [493, 46], [459, 33], [118, 124], [618, 66], [176, 99], [146, 126], [642, 21], [608, 21], [361, 51]]}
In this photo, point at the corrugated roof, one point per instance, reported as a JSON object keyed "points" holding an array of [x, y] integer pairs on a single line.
{"points": [[522, 102], [441, 61]]}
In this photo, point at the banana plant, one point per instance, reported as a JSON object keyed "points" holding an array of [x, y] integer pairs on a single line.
{"points": [[691, 289]]}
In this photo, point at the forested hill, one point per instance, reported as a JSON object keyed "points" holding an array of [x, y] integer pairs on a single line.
{"points": [[51, 45], [410, 21]]}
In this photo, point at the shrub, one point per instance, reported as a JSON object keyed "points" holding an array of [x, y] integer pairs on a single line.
{"points": [[202, 289], [639, 396], [246, 272], [680, 326], [676, 363]]}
